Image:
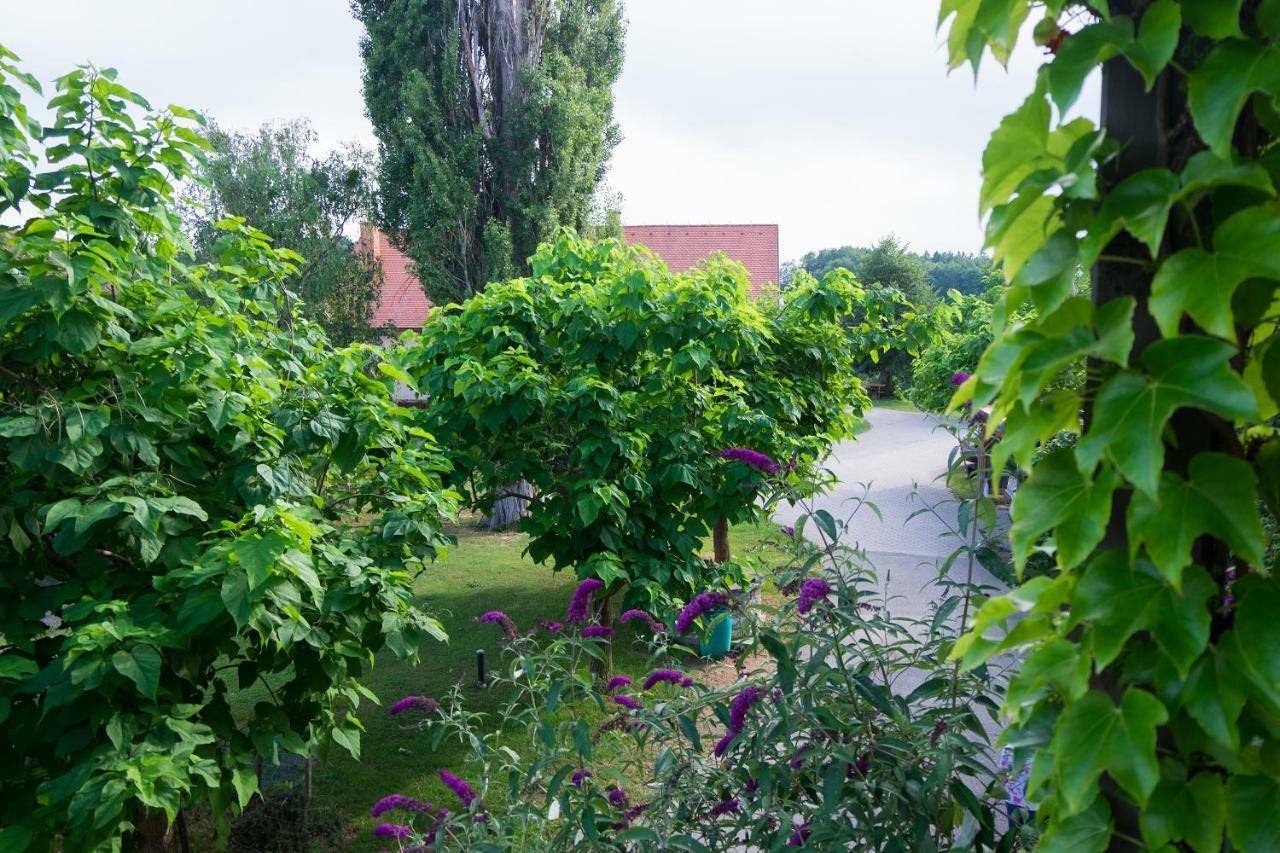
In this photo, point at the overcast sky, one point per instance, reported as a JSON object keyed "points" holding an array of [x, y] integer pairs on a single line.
{"points": [[835, 119]]}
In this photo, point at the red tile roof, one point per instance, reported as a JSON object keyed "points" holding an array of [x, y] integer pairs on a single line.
{"points": [[405, 306], [682, 246], [403, 303]]}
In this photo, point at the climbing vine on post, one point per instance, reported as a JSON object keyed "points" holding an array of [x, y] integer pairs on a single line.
{"points": [[1149, 693]]}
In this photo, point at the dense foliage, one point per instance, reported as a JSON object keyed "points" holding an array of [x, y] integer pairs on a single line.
{"points": [[495, 125], [942, 271], [845, 729], [1150, 693], [611, 385], [182, 457], [308, 204]]}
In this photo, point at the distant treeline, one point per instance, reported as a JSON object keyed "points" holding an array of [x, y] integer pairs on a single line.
{"points": [[942, 270]]}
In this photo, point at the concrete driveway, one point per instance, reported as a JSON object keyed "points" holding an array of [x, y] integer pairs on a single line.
{"points": [[900, 464]]}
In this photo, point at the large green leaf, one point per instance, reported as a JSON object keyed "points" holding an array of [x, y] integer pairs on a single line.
{"points": [[1157, 39], [1194, 811], [1131, 408], [1088, 831], [1118, 599], [1251, 644], [1058, 498], [1213, 694], [1201, 283], [1220, 86], [1216, 19], [141, 664], [1219, 498], [258, 554], [1094, 736], [1253, 802], [1081, 53], [1011, 154], [1140, 203]]}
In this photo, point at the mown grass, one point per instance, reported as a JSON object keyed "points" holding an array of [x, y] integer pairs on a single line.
{"points": [[485, 571], [894, 404]]}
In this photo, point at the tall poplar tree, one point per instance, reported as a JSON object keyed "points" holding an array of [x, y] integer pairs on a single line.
{"points": [[495, 126]]}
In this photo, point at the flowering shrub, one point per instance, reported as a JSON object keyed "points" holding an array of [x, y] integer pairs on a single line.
{"points": [[182, 456], [845, 728], [627, 396]]}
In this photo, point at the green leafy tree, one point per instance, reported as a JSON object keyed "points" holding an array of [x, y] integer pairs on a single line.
{"points": [[308, 204], [182, 456], [1149, 688], [495, 125], [610, 384]]}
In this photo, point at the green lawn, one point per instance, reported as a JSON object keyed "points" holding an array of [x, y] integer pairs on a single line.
{"points": [[484, 572], [894, 404]]}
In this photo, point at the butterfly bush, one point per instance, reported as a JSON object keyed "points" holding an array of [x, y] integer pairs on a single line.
{"points": [[844, 726]]}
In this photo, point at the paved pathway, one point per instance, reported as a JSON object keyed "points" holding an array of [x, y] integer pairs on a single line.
{"points": [[902, 461]]}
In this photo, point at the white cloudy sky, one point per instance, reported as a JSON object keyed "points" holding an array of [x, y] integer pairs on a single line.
{"points": [[834, 118]]}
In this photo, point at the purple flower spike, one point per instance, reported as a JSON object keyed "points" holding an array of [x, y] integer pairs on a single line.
{"points": [[551, 627], [662, 676], [800, 836], [616, 682], [686, 682], [415, 703], [812, 591], [600, 632], [580, 603], [960, 378], [754, 458], [654, 625], [392, 830], [788, 531], [751, 786], [729, 806], [617, 798], [579, 777], [627, 702], [463, 791], [496, 617], [702, 604], [741, 705], [399, 802], [723, 743]]}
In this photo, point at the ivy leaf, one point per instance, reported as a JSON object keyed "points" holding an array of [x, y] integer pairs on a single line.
{"points": [[1086, 832], [1118, 599], [1207, 170], [1157, 39], [1139, 203], [1057, 497], [1057, 664], [1201, 283], [1217, 19], [1251, 644], [141, 664], [1131, 409], [1081, 53], [1009, 156], [1218, 499], [1193, 811], [1093, 736], [1213, 695], [1220, 86], [1252, 805]]}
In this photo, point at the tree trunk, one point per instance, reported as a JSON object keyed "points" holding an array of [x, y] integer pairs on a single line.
{"points": [[1140, 121], [153, 834], [511, 507], [720, 541]]}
